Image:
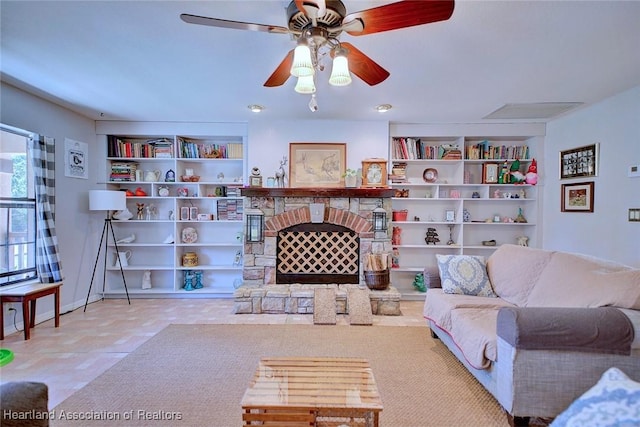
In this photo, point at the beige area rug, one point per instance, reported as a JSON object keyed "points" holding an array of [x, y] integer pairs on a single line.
{"points": [[200, 372]]}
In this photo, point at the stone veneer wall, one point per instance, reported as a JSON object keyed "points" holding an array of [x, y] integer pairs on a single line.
{"points": [[261, 294], [283, 212]]}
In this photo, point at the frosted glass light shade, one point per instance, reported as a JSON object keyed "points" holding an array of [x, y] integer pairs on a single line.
{"points": [[302, 64], [340, 75], [305, 85], [105, 200]]}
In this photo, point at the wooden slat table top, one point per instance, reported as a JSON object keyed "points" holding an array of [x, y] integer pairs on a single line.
{"points": [[313, 382]]}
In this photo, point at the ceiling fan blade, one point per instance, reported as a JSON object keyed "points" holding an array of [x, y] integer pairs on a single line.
{"points": [[401, 14], [364, 67], [319, 6], [236, 25], [282, 73]]}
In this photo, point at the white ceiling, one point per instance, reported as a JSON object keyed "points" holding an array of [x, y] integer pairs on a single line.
{"points": [[136, 60]]}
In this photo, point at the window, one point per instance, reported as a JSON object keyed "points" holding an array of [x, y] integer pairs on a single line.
{"points": [[17, 208]]}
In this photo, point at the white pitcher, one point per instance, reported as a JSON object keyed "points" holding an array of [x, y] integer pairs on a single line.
{"points": [[152, 176], [124, 258]]}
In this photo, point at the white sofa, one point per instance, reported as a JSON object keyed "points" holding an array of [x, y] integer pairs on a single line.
{"points": [[555, 322]]}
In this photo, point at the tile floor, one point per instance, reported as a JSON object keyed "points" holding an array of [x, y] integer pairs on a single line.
{"points": [[88, 343]]}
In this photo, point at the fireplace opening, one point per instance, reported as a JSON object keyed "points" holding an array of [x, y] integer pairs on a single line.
{"points": [[317, 253]]}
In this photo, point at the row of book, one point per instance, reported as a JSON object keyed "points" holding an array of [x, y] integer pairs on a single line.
{"points": [[152, 148], [486, 151], [415, 149], [197, 150], [123, 172], [230, 210]]}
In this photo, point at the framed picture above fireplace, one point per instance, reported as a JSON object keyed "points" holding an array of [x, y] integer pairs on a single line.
{"points": [[317, 164]]}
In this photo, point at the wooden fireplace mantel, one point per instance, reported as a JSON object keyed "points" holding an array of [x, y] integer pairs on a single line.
{"points": [[317, 192]]}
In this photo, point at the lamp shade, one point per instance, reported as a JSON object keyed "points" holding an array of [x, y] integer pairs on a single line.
{"points": [[106, 200], [305, 85], [340, 72], [302, 64]]}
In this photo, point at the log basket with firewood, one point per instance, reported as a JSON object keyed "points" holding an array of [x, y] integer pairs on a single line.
{"points": [[376, 271]]}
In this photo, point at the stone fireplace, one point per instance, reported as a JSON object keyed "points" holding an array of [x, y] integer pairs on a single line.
{"points": [[304, 248]]}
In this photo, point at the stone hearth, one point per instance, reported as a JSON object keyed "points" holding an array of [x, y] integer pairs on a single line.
{"points": [[285, 208]]}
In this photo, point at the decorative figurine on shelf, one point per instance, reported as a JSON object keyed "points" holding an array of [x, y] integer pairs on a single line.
{"points": [[140, 192], [146, 279], [396, 236], [395, 258], [516, 177], [496, 193], [523, 241], [431, 237], [503, 178], [532, 173], [281, 174], [140, 211], [418, 283], [170, 176], [520, 218]]}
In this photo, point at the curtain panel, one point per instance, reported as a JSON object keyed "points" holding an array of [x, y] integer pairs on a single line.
{"points": [[43, 160]]}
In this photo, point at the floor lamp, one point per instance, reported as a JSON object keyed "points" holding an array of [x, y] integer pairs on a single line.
{"points": [[105, 200]]}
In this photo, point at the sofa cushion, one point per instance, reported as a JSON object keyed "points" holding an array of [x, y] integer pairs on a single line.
{"points": [[474, 332], [438, 306], [514, 271], [613, 401], [464, 274], [573, 280]]}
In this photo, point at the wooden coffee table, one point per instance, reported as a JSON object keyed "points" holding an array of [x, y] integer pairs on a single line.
{"points": [[310, 391]]}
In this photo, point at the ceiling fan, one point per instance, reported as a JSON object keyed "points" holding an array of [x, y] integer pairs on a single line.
{"points": [[317, 24]]}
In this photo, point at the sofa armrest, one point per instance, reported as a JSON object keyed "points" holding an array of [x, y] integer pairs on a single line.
{"points": [[594, 330]]}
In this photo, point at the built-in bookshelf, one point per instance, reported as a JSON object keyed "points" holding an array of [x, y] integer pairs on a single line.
{"points": [[184, 194], [445, 196]]}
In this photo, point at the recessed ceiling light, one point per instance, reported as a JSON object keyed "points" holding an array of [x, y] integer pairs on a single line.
{"points": [[255, 108], [383, 108]]}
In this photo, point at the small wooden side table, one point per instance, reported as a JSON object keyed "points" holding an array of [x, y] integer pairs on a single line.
{"points": [[27, 295]]}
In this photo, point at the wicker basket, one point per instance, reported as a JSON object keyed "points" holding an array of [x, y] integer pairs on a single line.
{"points": [[377, 280]]}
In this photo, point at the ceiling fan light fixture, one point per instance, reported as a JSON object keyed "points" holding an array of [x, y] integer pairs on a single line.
{"points": [[305, 85], [340, 75], [302, 64], [255, 108], [383, 108]]}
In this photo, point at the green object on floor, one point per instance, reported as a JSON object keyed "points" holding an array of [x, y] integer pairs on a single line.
{"points": [[418, 283], [6, 356]]}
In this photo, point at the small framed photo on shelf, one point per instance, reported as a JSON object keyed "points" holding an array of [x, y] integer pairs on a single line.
{"points": [[579, 162], [184, 214], [193, 213], [577, 197], [449, 215], [490, 173]]}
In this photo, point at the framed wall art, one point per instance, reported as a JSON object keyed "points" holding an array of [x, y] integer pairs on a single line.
{"points": [[579, 162], [317, 164], [577, 197]]}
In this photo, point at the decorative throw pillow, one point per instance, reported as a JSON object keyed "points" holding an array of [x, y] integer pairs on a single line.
{"points": [[613, 401], [464, 274]]}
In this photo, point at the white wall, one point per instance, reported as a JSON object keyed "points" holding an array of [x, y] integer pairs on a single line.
{"points": [[74, 231], [269, 140], [615, 124]]}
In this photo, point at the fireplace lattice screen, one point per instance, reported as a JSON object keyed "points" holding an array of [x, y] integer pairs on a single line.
{"points": [[320, 256]]}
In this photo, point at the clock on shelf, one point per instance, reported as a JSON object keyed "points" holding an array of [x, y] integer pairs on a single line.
{"points": [[374, 173]]}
